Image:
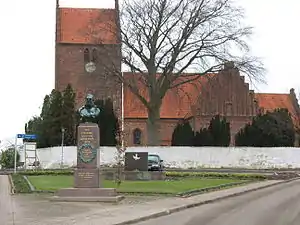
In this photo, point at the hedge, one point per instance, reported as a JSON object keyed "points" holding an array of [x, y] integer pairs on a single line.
{"points": [[241, 176], [47, 172], [168, 174]]}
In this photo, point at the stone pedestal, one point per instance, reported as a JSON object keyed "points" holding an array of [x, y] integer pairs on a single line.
{"points": [[144, 175], [87, 176]]}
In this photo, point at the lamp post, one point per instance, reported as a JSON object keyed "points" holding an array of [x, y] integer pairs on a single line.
{"points": [[15, 155], [62, 147]]}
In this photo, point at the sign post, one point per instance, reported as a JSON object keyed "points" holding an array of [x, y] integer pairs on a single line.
{"points": [[23, 136], [15, 155]]}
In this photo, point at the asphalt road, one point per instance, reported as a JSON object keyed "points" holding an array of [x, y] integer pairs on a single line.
{"points": [[279, 205]]}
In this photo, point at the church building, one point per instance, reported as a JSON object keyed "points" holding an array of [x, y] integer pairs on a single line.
{"points": [[84, 37], [225, 93], [88, 56]]}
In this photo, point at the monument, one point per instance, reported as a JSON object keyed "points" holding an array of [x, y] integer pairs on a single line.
{"points": [[87, 176]]}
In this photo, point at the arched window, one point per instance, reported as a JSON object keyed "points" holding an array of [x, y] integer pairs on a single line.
{"points": [[86, 55], [228, 109], [94, 55], [137, 137]]}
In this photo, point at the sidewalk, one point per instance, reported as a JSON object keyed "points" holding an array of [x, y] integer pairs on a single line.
{"points": [[121, 215], [6, 203]]}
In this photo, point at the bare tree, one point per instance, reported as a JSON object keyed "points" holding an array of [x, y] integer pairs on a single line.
{"points": [[162, 40]]}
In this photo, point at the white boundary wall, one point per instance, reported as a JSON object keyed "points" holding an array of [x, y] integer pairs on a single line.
{"points": [[188, 157]]}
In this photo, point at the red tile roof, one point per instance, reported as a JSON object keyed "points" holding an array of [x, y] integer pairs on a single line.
{"points": [[176, 103], [87, 26], [270, 102]]}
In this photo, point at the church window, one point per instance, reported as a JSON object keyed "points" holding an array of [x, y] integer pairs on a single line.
{"points": [[86, 55], [137, 137], [228, 109]]}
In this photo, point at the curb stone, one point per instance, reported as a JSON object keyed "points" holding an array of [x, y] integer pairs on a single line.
{"points": [[12, 185], [192, 205], [210, 189], [32, 188]]}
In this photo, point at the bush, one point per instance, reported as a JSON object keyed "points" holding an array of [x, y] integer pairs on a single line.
{"points": [[217, 133], [203, 138], [183, 134], [7, 160], [219, 129], [273, 129]]}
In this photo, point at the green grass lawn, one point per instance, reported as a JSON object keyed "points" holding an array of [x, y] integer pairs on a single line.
{"points": [[52, 183]]}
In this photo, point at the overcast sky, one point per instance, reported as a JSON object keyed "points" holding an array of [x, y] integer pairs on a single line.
{"points": [[27, 54]]}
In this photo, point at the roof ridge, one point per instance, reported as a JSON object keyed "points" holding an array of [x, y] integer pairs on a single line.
{"points": [[272, 93], [86, 8]]}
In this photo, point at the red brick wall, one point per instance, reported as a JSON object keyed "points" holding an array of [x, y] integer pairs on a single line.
{"points": [[167, 127], [70, 68]]}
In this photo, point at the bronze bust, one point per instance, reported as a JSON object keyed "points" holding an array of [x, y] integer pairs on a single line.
{"points": [[89, 111]]}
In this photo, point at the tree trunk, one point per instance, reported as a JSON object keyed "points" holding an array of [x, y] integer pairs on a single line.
{"points": [[153, 125]]}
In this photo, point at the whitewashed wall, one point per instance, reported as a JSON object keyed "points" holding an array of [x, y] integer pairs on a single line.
{"points": [[189, 157]]}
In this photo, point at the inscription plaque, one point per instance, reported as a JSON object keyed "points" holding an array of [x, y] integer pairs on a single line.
{"points": [[87, 178]]}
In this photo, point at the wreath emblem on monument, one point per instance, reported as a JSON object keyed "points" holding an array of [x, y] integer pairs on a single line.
{"points": [[87, 153]]}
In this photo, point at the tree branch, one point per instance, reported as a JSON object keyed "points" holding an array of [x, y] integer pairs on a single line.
{"points": [[164, 39]]}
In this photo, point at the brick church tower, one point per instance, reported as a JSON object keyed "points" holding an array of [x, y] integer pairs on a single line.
{"points": [[88, 53]]}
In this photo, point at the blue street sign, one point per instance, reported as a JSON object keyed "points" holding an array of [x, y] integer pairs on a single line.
{"points": [[20, 135], [27, 136]]}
